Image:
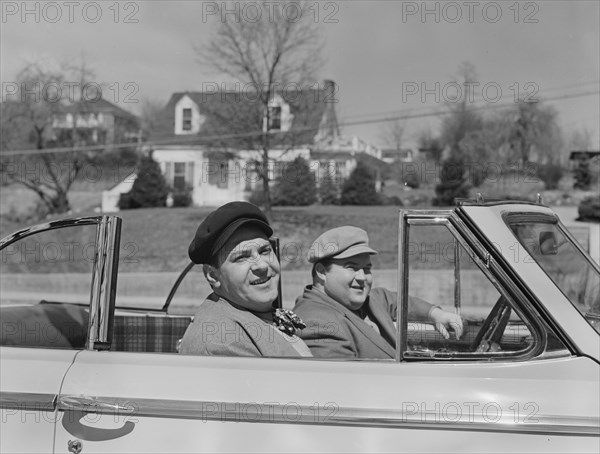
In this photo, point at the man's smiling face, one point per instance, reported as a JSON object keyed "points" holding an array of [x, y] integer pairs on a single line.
{"points": [[247, 274], [349, 281]]}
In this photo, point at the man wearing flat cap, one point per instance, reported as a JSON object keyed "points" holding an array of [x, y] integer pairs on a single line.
{"points": [[238, 318], [344, 316]]}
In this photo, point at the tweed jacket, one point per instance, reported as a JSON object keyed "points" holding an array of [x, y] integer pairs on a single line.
{"points": [[334, 331], [221, 329]]}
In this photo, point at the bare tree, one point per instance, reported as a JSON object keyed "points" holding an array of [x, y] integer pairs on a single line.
{"points": [[280, 48], [580, 139], [430, 145], [462, 119], [44, 95], [392, 134], [151, 116], [535, 130]]}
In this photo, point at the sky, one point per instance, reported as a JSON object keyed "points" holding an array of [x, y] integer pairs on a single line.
{"points": [[388, 58]]}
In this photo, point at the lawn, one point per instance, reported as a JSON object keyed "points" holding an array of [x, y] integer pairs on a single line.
{"points": [[157, 239], [154, 247]]}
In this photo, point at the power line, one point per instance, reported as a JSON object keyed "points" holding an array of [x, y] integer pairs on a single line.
{"points": [[480, 102], [196, 140], [475, 107]]}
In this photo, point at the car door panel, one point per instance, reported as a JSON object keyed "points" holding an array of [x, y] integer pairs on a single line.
{"points": [[31, 380], [47, 275], [195, 404]]}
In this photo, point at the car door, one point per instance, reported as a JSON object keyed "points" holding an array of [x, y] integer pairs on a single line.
{"points": [[47, 276], [134, 402], [526, 390], [519, 367]]}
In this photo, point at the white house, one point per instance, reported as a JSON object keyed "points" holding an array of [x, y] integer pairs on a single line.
{"points": [[215, 159]]}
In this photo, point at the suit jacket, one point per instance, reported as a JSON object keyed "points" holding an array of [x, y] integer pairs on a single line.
{"points": [[223, 330], [334, 331]]}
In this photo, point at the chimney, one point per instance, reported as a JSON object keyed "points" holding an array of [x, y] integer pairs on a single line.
{"points": [[329, 123]]}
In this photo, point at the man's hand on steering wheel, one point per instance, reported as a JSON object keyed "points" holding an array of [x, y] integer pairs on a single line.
{"points": [[445, 321]]}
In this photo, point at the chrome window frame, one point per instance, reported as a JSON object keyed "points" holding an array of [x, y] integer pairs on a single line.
{"points": [[491, 269], [104, 271]]}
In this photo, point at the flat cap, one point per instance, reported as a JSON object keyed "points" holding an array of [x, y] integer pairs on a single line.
{"points": [[218, 226], [340, 243]]}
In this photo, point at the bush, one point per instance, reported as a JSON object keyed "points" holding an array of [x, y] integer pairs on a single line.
{"points": [[411, 180], [476, 175], [589, 209], [550, 174], [359, 189], [582, 175], [391, 200], [182, 198], [329, 190], [149, 188], [453, 183], [296, 186], [125, 201]]}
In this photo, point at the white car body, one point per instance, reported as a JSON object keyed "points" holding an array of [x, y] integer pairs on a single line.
{"points": [[94, 400]]}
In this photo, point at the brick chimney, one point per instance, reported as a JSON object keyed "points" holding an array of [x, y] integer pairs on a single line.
{"points": [[329, 124]]}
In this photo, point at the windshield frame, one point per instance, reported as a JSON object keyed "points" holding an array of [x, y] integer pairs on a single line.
{"points": [[513, 218]]}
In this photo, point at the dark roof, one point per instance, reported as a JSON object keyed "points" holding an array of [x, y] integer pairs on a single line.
{"points": [[308, 106], [576, 155], [394, 152], [332, 154], [100, 106]]}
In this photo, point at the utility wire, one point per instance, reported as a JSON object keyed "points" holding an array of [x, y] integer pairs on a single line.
{"points": [[196, 140], [540, 95]]}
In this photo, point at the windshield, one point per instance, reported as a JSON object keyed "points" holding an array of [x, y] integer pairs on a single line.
{"points": [[574, 273]]}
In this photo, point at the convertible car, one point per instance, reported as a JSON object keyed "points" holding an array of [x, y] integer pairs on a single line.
{"points": [[84, 370]]}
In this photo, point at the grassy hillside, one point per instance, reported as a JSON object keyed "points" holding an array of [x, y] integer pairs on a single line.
{"points": [[157, 239]]}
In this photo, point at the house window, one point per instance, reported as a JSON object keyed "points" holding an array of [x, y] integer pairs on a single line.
{"points": [[275, 118], [187, 120], [179, 175]]}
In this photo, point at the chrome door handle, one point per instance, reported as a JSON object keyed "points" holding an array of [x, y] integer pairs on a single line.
{"points": [[92, 404]]}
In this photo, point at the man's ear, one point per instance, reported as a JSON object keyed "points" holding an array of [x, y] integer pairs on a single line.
{"points": [[212, 276], [320, 272]]}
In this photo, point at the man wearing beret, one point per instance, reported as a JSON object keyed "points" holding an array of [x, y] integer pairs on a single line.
{"points": [[344, 317], [238, 318]]}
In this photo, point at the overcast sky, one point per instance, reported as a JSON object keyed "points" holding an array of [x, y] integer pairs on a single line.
{"points": [[375, 51]]}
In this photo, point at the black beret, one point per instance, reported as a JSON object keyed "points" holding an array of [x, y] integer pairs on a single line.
{"points": [[219, 225]]}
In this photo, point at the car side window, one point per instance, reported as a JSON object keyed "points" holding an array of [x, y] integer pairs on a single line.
{"points": [[443, 271], [45, 282]]}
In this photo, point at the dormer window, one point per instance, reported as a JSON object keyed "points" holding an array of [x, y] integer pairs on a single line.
{"points": [[187, 120], [275, 118]]}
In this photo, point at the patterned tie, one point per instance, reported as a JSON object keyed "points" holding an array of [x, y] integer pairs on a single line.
{"points": [[286, 321]]}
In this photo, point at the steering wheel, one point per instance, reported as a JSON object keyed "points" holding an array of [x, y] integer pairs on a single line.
{"points": [[488, 337]]}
